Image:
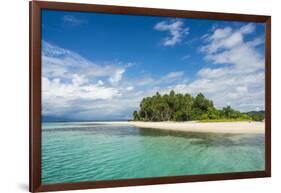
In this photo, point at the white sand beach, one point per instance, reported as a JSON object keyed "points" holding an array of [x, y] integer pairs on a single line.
{"points": [[193, 126]]}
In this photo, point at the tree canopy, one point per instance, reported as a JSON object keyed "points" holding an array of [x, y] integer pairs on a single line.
{"points": [[185, 107]]}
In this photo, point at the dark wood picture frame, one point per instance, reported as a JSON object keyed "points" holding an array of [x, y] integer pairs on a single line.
{"points": [[35, 94]]}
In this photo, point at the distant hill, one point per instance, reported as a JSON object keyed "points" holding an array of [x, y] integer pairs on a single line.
{"points": [[53, 119], [256, 113]]}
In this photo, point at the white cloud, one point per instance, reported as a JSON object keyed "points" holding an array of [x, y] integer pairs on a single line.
{"points": [[145, 81], [223, 38], [219, 33], [60, 62], [186, 57], [117, 76], [222, 42], [176, 31], [78, 80], [171, 77], [57, 95], [247, 29], [235, 75], [73, 20], [75, 90], [129, 88], [256, 42], [100, 82], [69, 81]]}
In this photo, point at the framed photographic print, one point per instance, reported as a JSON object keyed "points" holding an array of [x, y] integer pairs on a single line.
{"points": [[123, 96]]}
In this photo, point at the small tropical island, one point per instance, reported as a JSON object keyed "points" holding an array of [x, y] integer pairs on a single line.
{"points": [[185, 107], [183, 112]]}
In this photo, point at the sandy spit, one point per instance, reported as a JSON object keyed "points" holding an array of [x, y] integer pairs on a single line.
{"points": [[193, 126]]}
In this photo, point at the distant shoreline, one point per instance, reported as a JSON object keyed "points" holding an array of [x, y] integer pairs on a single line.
{"points": [[244, 127]]}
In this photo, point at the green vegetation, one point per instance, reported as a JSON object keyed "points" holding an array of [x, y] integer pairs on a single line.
{"points": [[184, 107], [256, 115]]}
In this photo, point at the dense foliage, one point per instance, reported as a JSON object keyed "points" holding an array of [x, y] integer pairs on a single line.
{"points": [[184, 107], [256, 115]]}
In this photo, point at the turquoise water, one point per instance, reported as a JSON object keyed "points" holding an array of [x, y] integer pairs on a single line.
{"points": [[75, 152]]}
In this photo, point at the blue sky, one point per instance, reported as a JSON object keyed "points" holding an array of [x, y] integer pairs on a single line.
{"points": [[99, 66]]}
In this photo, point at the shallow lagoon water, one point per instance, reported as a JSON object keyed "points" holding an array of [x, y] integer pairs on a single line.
{"points": [[75, 152]]}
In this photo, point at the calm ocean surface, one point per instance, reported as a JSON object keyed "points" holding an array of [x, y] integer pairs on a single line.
{"points": [[74, 152]]}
